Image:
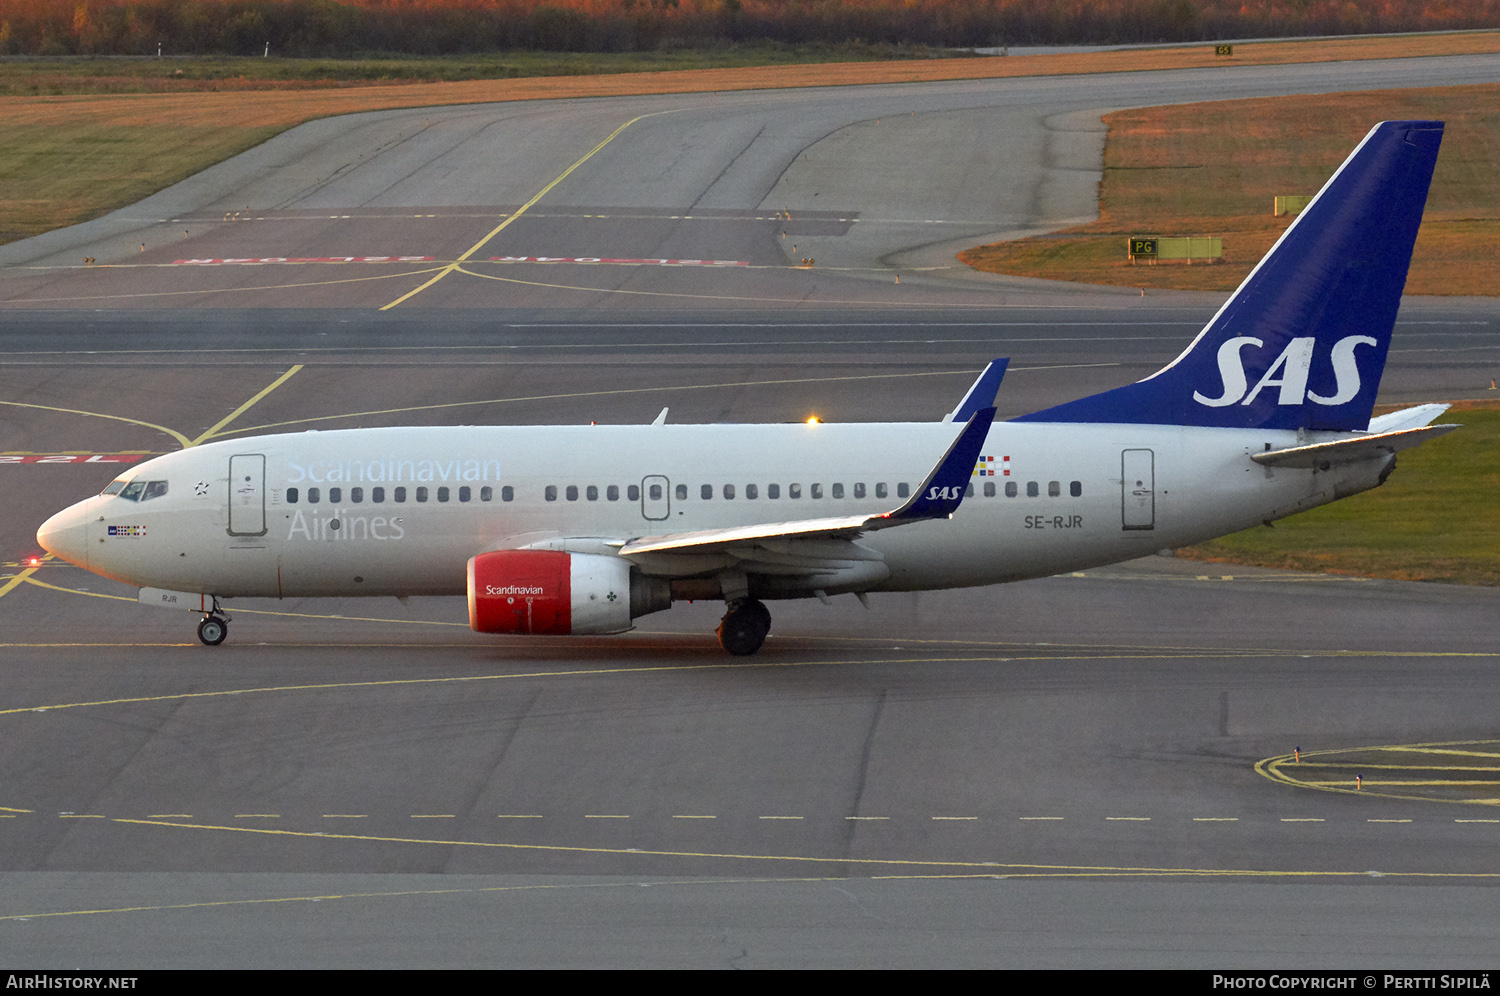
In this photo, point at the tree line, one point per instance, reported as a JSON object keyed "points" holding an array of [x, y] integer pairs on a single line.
{"points": [[325, 28]]}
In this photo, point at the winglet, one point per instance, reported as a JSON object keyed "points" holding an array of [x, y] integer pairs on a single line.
{"points": [[660, 419], [939, 496], [982, 394]]}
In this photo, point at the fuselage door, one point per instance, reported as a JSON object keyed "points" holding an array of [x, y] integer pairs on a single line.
{"points": [[1138, 489], [656, 502], [247, 494]]}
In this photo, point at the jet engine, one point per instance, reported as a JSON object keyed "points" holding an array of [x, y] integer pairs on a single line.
{"points": [[548, 592]]}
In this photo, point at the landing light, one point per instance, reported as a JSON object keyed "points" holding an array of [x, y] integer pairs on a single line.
{"points": [[813, 420]]}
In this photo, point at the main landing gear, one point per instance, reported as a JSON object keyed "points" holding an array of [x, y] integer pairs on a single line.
{"points": [[214, 627], [744, 627]]}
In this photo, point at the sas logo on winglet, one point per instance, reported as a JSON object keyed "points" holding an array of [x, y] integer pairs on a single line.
{"points": [[1288, 374]]}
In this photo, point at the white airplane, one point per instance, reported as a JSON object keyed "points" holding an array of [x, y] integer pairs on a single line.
{"points": [[581, 529]]}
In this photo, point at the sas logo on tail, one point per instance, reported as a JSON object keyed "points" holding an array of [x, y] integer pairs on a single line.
{"points": [[1288, 374]]}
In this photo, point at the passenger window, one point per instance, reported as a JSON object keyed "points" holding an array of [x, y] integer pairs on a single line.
{"points": [[335, 495], [656, 492], [507, 493], [291, 496], [838, 491], [682, 492], [752, 492], [1032, 490], [1053, 489], [989, 489], [902, 490], [706, 492], [969, 491], [728, 491], [773, 491], [1076, 489], [859, 490], [486, 493], [591, 493], [612, 492], [443, 494], [313, 495], [572, 492], [794, 491], [356, 495], [1010, 489], [400, 496], [551, 493], [464, 494], [880, 491], [633, 492], [816, 490], [154, 489], [421, 494], [377, 495]]}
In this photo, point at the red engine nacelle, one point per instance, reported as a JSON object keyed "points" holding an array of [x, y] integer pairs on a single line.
{"points": [[547, 592]]}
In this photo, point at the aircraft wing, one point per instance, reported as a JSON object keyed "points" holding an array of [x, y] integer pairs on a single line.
{"points": [[1350, 450], [937, 497]]}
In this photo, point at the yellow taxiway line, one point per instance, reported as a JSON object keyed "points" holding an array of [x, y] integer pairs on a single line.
{"points": [[519, 212]]}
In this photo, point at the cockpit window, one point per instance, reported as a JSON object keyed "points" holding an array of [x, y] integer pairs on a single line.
{"points": [[137, 490]]}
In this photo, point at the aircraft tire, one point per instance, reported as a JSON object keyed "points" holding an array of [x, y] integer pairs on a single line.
{"points": [[743, 628], [757, 609], [212, 631]]}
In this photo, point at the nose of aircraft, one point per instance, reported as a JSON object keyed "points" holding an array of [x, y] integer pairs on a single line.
{"points": [[65, 535]]}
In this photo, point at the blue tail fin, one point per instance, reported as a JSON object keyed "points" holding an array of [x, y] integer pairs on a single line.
{"points": [[1302, 342]]}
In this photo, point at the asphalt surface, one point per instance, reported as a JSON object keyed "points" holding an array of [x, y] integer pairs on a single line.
{"points": [[870, 183], [1090, 770]]}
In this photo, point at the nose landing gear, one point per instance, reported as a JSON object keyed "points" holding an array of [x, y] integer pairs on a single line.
{"points": [[744, 627], [214, 627]]}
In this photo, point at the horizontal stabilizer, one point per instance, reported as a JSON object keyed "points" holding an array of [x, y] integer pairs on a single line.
{"points": [[1351, 450], [1407, 418]]}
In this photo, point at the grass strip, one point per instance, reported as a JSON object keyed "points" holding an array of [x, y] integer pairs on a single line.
{"points": [[1216, 168], [214, 73]]}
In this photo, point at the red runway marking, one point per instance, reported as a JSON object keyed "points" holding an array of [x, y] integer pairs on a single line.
{"points": [[7, 458], [628, 262], [309, 259]]}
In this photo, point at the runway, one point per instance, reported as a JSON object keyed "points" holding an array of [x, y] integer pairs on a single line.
{"points": [[1094, 770]]}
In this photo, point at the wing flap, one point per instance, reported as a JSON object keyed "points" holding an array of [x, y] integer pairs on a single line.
{"points": [[722, 540]]}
